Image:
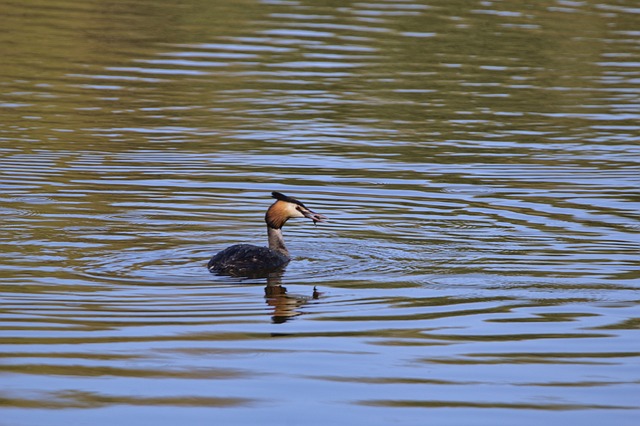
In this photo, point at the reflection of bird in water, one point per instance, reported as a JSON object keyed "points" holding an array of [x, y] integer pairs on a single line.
{"points": [[250, 260], [285, 306]]}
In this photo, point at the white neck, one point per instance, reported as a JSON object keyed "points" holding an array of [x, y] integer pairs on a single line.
{"points": [[276, 241]]}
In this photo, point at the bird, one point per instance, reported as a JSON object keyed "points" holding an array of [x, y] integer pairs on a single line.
{"points": [[247, 260]]}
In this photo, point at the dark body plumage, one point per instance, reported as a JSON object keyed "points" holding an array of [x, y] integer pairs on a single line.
{"points": [[247, 260]]}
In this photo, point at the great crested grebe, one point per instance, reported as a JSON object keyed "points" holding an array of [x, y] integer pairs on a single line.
{"points": [[250, 260]]}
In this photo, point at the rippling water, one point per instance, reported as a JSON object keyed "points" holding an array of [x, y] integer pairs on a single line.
{"points": [[479, 162]]}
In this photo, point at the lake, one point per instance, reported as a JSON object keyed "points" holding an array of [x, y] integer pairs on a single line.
{"points": [[479, 162]]}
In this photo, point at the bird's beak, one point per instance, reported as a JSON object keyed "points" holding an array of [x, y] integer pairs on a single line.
{"points": [[315, 217]]}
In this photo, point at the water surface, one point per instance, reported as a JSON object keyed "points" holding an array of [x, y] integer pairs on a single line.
{"points": [[479, 162]]}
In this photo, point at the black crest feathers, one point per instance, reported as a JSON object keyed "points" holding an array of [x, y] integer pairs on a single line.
{"points": [[280, 196]]}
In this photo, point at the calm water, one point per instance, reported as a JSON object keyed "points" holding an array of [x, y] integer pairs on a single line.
{"points": [[479, 161]]}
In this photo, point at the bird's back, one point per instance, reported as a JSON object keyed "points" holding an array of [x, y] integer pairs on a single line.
{"points": [[246, 260]]}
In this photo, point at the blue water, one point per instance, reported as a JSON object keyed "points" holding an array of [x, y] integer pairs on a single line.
{"points": [[478, 161]]}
